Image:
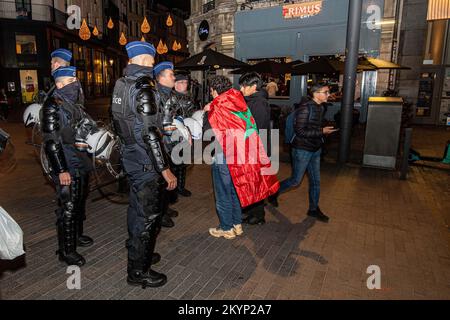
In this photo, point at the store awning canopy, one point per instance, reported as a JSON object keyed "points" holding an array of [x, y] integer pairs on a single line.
{"points": [[324, 65], [380, 64], [266, 67], [210, 60]]}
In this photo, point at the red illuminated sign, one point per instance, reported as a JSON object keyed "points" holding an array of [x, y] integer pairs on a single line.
{"points": [[302, 10]]}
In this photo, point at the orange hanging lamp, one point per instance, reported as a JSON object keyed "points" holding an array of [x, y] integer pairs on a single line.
{"points": [[145, 27], [169, 21], [110, 24], [84, 32], [122, 39], [160, 47]]}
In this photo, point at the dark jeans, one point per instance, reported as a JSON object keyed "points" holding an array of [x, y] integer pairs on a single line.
{"points": [[228, 206], [303, 160]]}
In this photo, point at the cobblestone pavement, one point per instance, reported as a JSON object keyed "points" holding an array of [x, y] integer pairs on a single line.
{"points": [[376, 219]]}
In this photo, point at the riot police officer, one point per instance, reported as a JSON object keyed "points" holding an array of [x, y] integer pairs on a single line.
{"points": [[167, 101], [186, 103], [186, 107], [139, 121], [59, 58], [65, 126]]}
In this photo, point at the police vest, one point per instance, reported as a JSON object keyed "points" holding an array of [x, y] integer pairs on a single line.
{"points": [[122, 113]]}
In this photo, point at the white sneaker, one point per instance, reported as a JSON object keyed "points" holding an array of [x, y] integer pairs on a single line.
{"points": [[217, 232], [237, 228]]}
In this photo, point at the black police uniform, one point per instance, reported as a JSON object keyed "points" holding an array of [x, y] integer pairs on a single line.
{"points": [[64, 123], [138, 122], [167, 102], [185, 108], [181, 105]]}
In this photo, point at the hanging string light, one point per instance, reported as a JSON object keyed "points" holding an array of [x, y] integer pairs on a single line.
{"points": [[95, 31], [145, 27], [123, 39], [165, 48], [175, 46], [84, 32], [143, 38], [160, 47], [169, 21], [110, 24]]}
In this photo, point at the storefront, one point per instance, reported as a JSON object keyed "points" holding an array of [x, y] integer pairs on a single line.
{"points": [[25, 59], [433, 92], [302, 31], [97, 66], [24, 62]]}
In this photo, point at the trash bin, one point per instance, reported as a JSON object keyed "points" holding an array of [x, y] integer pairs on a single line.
{"points": [[384, 119]]}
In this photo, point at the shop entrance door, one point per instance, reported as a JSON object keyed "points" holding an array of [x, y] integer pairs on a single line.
{"points": [[429, 96], [444, 112]]}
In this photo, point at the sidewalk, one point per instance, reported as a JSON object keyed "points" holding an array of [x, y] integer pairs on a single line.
{"points": [[376, 219]]}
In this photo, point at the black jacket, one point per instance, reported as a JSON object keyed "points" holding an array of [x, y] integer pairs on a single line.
{"points": [[260, 108], [308, 127]]}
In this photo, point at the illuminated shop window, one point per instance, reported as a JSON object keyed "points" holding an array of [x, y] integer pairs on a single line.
{"points": [[25, 44]]}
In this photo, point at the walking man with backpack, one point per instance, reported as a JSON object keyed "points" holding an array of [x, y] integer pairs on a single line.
{"points": [[305, 133]]}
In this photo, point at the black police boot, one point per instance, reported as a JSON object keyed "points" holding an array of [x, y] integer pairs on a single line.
{"points": [[149, 278], [80, 191], [184, 192], [67, 241], [318, 214], [172, 196], [172, 213], [156, 257], [82, 240], [167, 222], [140, 272], [181, 176]]}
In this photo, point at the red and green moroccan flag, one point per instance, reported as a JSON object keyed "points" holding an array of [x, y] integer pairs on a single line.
{"points": [[235, 130]]}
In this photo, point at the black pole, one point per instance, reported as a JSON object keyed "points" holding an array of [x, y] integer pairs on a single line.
{"points": [[351, 64], [406, 147]]}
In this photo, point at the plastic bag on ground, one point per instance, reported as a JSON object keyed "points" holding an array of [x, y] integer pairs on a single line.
{"points": [[11, 237]]}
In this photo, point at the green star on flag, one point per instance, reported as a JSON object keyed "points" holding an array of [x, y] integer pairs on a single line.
{"points": [[250, 127]]}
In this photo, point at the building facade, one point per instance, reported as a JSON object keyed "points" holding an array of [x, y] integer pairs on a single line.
{"points": [[31, 29], [424, 46], [254, 30], [406, 36], [219, 14]]}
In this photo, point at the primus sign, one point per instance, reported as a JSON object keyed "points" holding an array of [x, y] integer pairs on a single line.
{"points": [[302, 10], [313, 8]]}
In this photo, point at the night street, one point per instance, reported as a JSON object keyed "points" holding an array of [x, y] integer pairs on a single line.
{"points": [[213, 158], [376, 219]]}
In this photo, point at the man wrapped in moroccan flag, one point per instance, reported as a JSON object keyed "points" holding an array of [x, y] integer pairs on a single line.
{"points": [[242, 157]]}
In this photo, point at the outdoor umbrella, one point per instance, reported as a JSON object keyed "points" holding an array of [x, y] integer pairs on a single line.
{"points": [[325, 65], [209, 60], [379, 63], [265, 67]]}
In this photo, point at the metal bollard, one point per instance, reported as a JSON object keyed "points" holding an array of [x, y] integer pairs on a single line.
{"points": [[406, 146]]}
